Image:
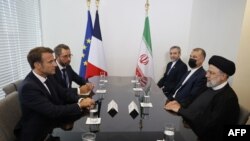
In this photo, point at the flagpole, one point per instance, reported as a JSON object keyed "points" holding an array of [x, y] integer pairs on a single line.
{"points": [[147, 7], [88, 4], [97, 4]]}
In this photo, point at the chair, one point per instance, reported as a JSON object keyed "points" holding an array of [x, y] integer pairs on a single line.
{"points": [[17, 83], [244, 115], [10, 114], [9, 88], [12, 87]]}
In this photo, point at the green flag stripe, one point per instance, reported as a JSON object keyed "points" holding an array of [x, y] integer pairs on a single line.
{"points": [[147, 36]]}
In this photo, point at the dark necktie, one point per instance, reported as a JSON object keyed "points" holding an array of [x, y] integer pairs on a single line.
{"points": [[65, 77], [48, 84], [52, 91]]}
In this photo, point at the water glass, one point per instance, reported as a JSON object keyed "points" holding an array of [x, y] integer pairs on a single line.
{"points": [[101, 85], [146, 99], [88, 136], [138, 85], [93, 113], [102, 76], [169, 132]]}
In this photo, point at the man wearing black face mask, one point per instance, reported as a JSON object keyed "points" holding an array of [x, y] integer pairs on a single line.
{"points": [[193, 82]]}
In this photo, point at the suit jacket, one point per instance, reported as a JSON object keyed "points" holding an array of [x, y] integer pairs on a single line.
{"points": [[171, 79], [194, 86], [210, 111], [42, 111], [72, 75]]}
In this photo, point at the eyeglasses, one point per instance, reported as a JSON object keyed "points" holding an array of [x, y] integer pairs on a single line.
{"points": [[67, 56]]}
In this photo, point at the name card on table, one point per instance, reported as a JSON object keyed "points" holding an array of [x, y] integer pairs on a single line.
{"points": [[134, 81], [101, 91], [112, 108], [93, 120], [133, 110], [104, 81], [138, 89], [146, 104]]}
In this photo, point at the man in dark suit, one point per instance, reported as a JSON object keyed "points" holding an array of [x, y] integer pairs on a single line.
{"points": [[45, 104], [64, 72], [193, 82], [174, 71], [214, 108]]}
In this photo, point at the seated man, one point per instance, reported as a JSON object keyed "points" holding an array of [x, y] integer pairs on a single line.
{"points": [[45, 104], [65, 75], [193, 82], [174, 71], [215, 107]]}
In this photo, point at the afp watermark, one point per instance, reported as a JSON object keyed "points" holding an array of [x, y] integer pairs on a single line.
{"points": [[237, 132]]}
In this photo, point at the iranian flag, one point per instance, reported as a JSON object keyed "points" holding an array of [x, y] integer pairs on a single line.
{"points": [[145, 66], [96, 59]]}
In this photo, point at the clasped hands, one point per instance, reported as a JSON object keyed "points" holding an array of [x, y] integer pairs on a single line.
{"points": [[86, 88], [172, 106], [86, 103]]}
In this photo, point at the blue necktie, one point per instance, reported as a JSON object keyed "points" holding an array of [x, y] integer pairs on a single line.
{"points": [[65, 77]]}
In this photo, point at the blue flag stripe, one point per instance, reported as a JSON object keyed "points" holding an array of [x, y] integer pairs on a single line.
{"points": [[97, 30]]}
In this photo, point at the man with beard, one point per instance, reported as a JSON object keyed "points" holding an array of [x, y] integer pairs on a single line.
{"points": [[175, 69], [193, 82], [215, 107], [64, 72]]}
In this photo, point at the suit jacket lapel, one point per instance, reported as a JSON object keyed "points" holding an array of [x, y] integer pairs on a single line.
{"points": [[44, 89], [41, 85]]}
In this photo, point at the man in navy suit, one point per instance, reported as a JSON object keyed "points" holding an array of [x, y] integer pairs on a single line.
{"points": [[193, 82], [45, 104], [64, 72], [174, 71]]}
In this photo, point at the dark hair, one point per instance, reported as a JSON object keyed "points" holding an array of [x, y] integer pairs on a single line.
{"points": [[58, 49], [203, 52], [176, 47], [35, 55]]}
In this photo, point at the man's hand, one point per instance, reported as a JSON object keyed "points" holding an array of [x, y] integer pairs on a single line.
{"points": [[86, 88], [86, 103], [172, 106]]}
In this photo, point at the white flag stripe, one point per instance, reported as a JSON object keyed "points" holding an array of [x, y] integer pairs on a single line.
{"points": [[147, 69], [96, 53]]}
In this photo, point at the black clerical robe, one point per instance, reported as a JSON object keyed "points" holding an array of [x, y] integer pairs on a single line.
{"points": [[211, 111]]}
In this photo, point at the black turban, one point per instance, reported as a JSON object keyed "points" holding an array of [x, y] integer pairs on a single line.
{"points": [[223, 64]]}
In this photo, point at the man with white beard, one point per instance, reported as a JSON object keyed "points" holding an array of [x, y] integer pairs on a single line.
{"points": [[215, 107]]}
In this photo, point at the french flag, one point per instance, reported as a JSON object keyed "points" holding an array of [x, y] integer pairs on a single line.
{"points": [[96, 58]]}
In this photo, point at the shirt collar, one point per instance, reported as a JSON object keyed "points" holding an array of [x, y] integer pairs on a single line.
{"points": [[220, 86], [194, 69], [59, 65], [42, 79]]}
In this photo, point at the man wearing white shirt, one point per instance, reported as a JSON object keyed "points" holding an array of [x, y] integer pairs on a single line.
{"points": [[175, 69], [65, 75], [44, 103], [193, 82]]}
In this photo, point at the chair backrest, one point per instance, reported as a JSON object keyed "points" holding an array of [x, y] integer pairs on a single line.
{"points": [[12, 87], [10, 115], [244, 115], [17, 83], [9, 88]]}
